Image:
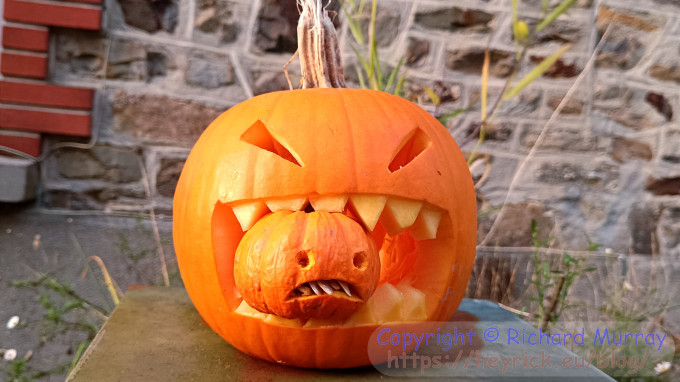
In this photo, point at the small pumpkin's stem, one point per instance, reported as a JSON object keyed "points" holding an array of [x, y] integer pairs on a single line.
{"points": [[318, 47]]}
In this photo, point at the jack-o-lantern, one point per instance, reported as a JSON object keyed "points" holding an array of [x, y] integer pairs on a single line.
{"points": [[305, 219]]}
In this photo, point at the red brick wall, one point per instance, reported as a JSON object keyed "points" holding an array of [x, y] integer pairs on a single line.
{"points": [[29, 105]]}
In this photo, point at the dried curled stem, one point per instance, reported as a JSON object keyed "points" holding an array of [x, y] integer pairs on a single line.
{"points": [[318, 47]]}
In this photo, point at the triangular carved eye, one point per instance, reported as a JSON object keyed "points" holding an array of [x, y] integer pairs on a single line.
{"points": [[414, 144], [259, 135]]}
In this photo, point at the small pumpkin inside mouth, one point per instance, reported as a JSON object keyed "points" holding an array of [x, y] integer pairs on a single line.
{"points": [[306, 264]]}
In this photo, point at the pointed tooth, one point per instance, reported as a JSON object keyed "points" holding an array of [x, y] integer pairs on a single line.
{"points": [[246, 310], [335, 284], [290, 204], [426, 224], [413, 308], [280, 321], [249, 213], [329, 203], [399, 214], [325, 286], [315, 287], [368, 208], [345, 287]]}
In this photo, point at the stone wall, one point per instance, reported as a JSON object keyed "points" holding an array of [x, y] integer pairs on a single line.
{"points": [[607, 169]]}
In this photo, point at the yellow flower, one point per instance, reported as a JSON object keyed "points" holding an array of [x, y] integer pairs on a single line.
{"points": [[521, 30]]}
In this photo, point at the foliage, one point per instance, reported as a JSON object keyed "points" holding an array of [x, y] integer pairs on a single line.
{"points": [[524, 38], [65, 312], [370, 73], [556, 279]]}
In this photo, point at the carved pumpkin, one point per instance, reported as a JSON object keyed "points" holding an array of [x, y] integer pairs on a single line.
{"points": [[304, 265], [294, 206]]}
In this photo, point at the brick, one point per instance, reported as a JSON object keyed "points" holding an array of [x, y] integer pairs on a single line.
{"points": [[23, 65], [53, 13], [45, 95], [96, 2], [25, 142], [52, 122], [35, 38]]}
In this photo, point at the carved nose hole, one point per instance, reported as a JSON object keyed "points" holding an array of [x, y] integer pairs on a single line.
{"points": [[359, 260], [304, 260]]}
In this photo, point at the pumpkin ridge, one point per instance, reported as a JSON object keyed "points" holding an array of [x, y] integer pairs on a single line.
{"points": [[255, 174], [350, 130]]}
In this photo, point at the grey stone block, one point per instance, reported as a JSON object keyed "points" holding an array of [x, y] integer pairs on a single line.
{"points": [[18, 179]]}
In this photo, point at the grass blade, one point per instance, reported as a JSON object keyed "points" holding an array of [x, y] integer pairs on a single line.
{"points": [[514, 18], [393, 75], [455, 113], [107, 278], [354, 27], [485, 82], [362, 81], [361, 6], [79, 352], [560, 9], [362, 60], [377, 71], [400, 85], [372, 48], [433, 96], [536, 72]]}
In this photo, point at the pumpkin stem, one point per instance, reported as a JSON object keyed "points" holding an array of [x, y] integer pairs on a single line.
{"points": [[318, 47]]}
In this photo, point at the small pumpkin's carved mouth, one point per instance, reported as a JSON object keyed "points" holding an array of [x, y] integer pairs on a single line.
{"points": [[330, 287]]}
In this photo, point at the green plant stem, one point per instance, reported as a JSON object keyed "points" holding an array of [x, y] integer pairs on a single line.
{"points": [[556, 299], [64, 290], [79, 352], [494, 109], [371, 37], [560, 9]]}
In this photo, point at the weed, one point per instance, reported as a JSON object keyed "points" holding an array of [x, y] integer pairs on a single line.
{"points": [[65, 312], [370, 71]]}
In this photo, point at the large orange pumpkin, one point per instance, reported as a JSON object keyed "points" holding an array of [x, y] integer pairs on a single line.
{"points": [[295, 189]]}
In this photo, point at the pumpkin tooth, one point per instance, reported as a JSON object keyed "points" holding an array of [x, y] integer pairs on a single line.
{"points": [[399, 214], [345, 287], [325, 286], [290, 204], [368, 208], [315, 288], [426, 224], [329, 203], [335, 284], [249, 213]]}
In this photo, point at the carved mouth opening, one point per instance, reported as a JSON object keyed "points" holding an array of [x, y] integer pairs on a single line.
{"points": [[328, 287], [389, 219]]}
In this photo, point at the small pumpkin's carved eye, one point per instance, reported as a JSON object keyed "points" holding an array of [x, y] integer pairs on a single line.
{"points": [[259, 135], [414, 144], [360, 260]]}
